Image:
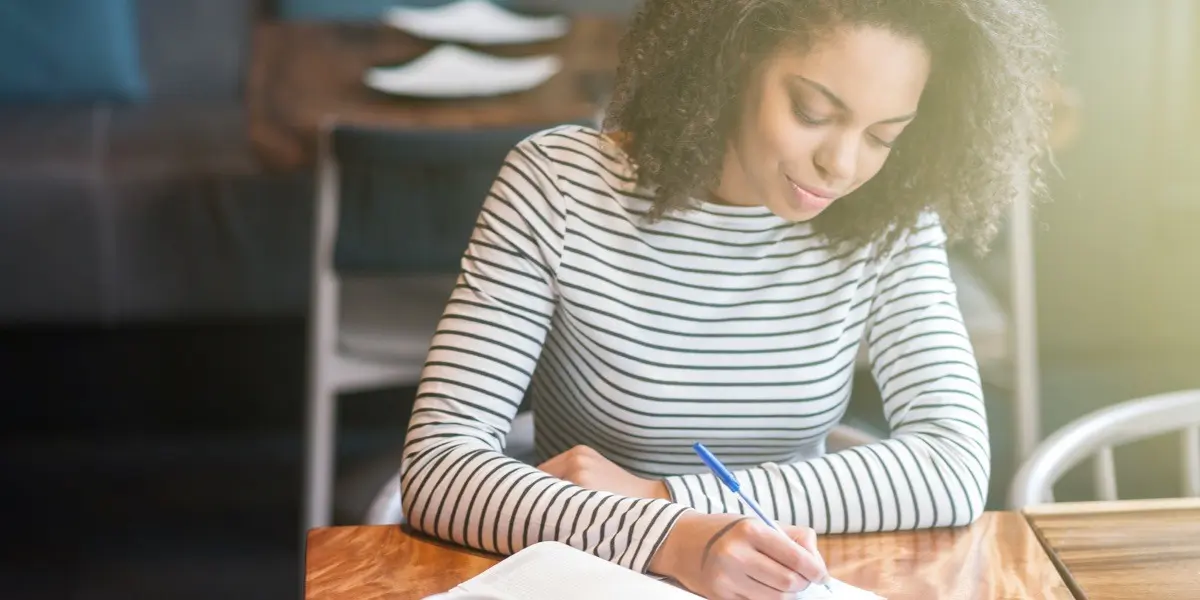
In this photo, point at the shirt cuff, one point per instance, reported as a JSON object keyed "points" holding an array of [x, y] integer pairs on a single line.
{"points": [[664, 517]]}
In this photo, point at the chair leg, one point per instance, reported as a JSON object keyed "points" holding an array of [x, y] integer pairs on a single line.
{"points": [[319, 452], [320, 432]]}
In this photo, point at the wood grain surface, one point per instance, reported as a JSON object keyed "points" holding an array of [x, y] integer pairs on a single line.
{"points": [[997, 557], [1125, 550], [303, 74], [384, 562]]}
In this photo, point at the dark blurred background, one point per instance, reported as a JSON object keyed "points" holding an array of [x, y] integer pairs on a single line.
{"points": [[154, 287]]}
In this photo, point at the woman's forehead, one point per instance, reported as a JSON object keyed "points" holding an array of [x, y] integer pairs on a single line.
{"points": [[863, 66]]}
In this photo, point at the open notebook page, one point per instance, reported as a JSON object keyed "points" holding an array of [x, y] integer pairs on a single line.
{"points": [[552, 571]]}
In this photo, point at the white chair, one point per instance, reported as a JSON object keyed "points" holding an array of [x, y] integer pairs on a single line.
{"points": [[372, 331], [385, 509], [1097, 433]]}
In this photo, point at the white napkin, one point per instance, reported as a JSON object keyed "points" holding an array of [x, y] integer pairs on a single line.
{"points": [[450, 71], [475, 22]]}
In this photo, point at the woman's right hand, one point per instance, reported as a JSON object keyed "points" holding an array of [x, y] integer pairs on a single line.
{"points": [[730, 557]]}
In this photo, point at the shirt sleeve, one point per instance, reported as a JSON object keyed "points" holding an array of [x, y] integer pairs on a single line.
{"points": [[456, 483], [933, 470]]}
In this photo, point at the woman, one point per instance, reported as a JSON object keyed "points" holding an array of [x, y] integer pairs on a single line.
{"points": [[777, 181]]}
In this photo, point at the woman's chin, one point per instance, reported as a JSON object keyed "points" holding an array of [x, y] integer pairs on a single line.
{"points": [[795, 214]]}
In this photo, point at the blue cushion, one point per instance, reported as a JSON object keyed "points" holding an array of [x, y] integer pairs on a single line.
{"points": [[69, 50], [348, 10]]}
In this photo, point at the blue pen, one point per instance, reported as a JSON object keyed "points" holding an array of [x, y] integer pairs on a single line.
{"points": [[731, 482]]}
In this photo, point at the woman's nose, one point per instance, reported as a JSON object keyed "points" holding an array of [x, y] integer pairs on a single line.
{"points": [[837, 159]]}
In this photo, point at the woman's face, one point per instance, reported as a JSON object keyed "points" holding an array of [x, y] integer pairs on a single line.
{"points": [[819, 123]]}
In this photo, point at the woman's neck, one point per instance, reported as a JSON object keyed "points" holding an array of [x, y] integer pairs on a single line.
{"points": [[733, 188], [731, 172]]}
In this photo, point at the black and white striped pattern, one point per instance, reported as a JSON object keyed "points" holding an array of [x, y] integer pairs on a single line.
{"points": [[725, 325]]}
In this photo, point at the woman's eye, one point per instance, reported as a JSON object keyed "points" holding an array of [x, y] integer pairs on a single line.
{"points": [[882, 142], [809, 119]]}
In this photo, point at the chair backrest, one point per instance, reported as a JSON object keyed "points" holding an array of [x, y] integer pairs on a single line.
{"points": [[1095, 435], [407, 199]]}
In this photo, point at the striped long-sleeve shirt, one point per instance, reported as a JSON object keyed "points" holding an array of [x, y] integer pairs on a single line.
{"points": [[725, 324]]}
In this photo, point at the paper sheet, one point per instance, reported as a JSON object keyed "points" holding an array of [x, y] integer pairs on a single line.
{"points": [[552, 571], [838, 590]]}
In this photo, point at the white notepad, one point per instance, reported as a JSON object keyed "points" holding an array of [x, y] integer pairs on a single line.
{"points": [[552, 571]]}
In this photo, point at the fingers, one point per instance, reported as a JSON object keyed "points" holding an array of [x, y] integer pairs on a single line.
{"points": [[791, 555], [807, 538], [555, 467], [774, 575], [735, 556], [745, 587], [752, 589]]}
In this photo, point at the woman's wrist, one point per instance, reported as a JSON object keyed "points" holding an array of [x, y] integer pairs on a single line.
{"points": [[666, 558]]}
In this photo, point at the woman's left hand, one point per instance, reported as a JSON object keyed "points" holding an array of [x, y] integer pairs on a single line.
{"points": [[587, 468]]}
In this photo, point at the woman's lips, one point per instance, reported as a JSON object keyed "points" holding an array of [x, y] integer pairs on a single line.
{"points": [[809, 199]]}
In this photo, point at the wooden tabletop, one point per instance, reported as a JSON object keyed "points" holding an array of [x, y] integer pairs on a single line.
{"points": [[1124, 550], [304, 73], [997, 557]]}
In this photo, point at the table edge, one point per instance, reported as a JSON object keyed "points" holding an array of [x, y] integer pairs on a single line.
{"points": [[1109, 507], [1063, 573]]}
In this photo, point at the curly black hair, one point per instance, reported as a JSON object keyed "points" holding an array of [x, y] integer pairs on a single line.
{"points": [[980, 141]]}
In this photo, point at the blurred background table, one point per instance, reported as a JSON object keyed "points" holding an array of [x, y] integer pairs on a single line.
{"points": [[1124, 550], [303, 73], [997, 557]]}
